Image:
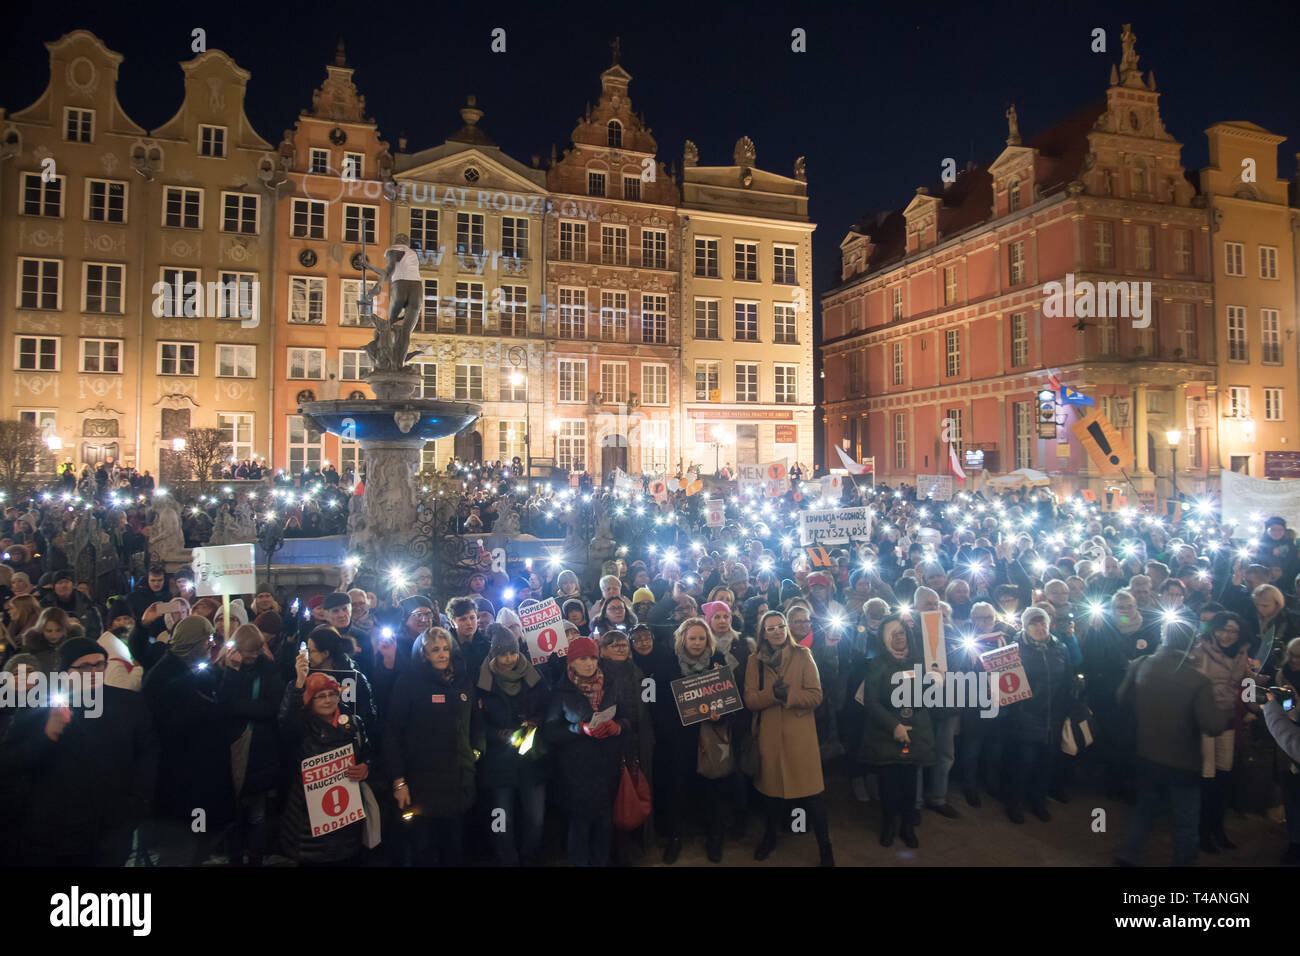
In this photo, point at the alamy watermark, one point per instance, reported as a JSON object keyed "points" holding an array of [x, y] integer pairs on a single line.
{"points": [[34, 688], [1101, 300], [233, 299], [914, 689]]}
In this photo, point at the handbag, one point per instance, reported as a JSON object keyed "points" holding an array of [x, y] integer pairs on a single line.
{"points": [[372, 836], [632, 802], [715, 759]]}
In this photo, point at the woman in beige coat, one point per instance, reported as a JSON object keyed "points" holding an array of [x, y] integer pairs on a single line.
{"points": [[782, 689]]}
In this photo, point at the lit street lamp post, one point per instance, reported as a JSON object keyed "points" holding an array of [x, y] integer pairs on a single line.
{"points": [[1173, 436], [717, 449], [519, 359]]}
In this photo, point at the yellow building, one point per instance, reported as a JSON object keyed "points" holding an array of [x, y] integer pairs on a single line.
{"points": [[1254, 296], [747, 356]]}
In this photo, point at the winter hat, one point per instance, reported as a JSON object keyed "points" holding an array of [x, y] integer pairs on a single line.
{"points": [[336, 599], [608, 635], [30, 661], [819, 579], [315, 684], [570, 628], [570, 604], [190, 639], [503, 642], [315, 601], [118, 608], [64, 575], [411, 604], [582, 647], [566, 577], [268, 623], [708, 610], [482, 604], [1276, 519], [508, 618], [643, 594], [788, 590], [76, 647], [520, 584], [237, 611]]}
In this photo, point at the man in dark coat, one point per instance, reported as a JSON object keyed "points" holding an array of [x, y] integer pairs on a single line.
{"points": [[65, 596]]}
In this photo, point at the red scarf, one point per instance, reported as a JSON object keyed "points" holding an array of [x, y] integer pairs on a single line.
{"points": [[592, 687]]}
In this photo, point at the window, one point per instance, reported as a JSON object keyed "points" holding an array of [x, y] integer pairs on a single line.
{"points": [[239, 213], [1268, 262], [747, 261], [785, 378], [573, 381], [706, 381], [614, 134], [354, 365], [1272, 404], [632, 187], [78, 125], [1182, 250], [746, 381], [654, 319], [101, 356], [101, 287], [613, 316], [1103, 244], [783, 317], [595, 184], [854, 360], [424, 229], [706, 258], [1019, 340], [897, 349], [239, 295], [212, 141], [353, 165], [1024, 434], [469, 383], [654, 384], [573, 241], [957, 430], [308, 219], [613, 382], [706, 319], [896, 302], [613, 245], [469, 308], [307, 300], [514, 310], [307, 363], [37, 354], [306, 446], [429, 308], [236, 361], [510, 440], [1187, 339], [900, 441], [746, 321], [1016, 263], [183, 208], [783, 265], [1238, 402], [41, 198], [654, 447], [1271, 339], [1238, 351], [237, 431], [571, 446], [349, 311], [1142, 247], [320, 161], [1013, 195], [428, 379], [1234, 258], [573, 313], [182, 294], [654, 248], [105, 201], [469, 233], [949, 285], [178, 358], [359, 223], [514, 237], [1108, 335], [952, 352], [510, 392], [39, 285]]}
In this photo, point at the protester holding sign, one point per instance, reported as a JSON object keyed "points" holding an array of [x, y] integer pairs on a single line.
{"points": [[782, 690], [1034, 725]]}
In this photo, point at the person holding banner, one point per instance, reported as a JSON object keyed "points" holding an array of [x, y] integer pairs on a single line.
{"points": [[981, 737], [782, 689], [1034, 725], [311, 724]]}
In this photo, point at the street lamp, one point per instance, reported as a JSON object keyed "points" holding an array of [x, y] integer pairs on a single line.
{"points": [[717, 448], [519, 359], [1173, 436]]}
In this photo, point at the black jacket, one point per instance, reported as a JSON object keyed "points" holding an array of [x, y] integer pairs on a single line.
{"points": [[80, 608], [503, 714], [303, 735], [1039, 719], [243, 709], [587, 767]]}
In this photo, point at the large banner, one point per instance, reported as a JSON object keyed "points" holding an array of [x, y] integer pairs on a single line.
{"points": [[544, 630], [224, 569], [1244, 496], [938, 487], [837, 524], [333, 801], [766, 481]]}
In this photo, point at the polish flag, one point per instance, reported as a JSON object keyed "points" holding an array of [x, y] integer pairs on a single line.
{"points": [[956, 463], [853, 467]]}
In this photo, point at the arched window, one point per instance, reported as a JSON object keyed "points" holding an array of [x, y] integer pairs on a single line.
{"points": [[356, 395], [306, 395], [615, 134], [1013, 195]]}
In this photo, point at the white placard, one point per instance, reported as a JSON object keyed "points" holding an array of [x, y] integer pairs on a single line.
{"points": [[544, 630], [333, 801], [224, 569], [1244, 496], [938, 487], [715, 512], [837, 524], [770, 480]]}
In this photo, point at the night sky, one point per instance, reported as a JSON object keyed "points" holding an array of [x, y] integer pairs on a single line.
{"points": [[877, 102]]}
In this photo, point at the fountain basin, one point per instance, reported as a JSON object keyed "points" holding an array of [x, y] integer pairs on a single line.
{"points": [[413, 420]]}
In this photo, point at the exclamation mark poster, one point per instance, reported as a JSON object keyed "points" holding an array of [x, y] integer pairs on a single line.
{"points": [[936, 652], [1103, 443]]}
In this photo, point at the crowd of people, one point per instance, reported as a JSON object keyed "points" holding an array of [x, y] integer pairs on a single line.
{"points": [[1140, 639]]}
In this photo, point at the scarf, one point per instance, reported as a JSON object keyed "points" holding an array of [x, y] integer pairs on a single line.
{"points": [[510, 681], [773, 657], [693, 665], [1134, 625], [724, 644], [593, 687]]}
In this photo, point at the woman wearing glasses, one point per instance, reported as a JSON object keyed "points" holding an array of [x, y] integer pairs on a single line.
{"points": [[1222, 656]]}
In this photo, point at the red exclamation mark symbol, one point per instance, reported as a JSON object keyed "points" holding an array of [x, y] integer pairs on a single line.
{"points": [[1095, 431]]}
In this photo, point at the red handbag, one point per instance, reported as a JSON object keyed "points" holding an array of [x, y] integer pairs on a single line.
{"points": [[632, 804]]}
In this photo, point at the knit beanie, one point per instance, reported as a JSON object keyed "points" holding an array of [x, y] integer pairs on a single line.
{"points": [[503, 641], [269, 623], [582, 647], [506, 617], [190, 639], [76, 647], [643, 594], [315, 684]]}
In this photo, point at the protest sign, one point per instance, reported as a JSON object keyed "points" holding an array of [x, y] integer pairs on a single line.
{"points": [[333, 801], [544, 630], [938, 487], [1013, 685], [817, 556], [1104, 444], [770, 480], [625, 484], [715, 512], [1244, 496], [832, 486], [836, 524], [698, 694], [932, 642], [225, 569]]}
